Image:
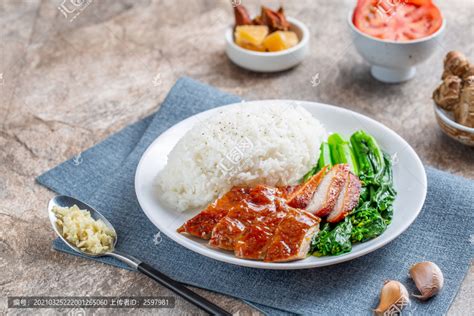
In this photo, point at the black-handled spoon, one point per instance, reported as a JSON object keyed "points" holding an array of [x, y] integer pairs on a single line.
{"points": [[166, 281]]}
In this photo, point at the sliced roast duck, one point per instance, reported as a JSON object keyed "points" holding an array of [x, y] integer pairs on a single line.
{"points": [[332, 193], [276, 224]]}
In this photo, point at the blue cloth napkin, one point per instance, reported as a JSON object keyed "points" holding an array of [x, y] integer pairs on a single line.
{"points": [[103, 176]]}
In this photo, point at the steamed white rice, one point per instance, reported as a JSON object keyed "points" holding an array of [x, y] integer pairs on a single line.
{"points": [[244, 145]]}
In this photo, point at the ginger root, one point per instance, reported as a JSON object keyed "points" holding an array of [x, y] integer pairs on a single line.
{"points": [[469, 72], [456, 92], [455, 63], [464, 112], [448, 92]]}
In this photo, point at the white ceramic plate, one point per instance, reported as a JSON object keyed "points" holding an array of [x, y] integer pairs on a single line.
{"points": [[409, 178]]}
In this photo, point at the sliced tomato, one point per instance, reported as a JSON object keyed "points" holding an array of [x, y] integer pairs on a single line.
{"points": [[397, 20]]}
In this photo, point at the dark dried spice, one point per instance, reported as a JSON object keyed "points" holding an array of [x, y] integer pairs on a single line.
{"points": [[242, 16], [276, 21], [257, 20]]}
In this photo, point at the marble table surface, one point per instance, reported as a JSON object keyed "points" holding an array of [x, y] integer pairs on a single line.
{"points": [[68, 80]]}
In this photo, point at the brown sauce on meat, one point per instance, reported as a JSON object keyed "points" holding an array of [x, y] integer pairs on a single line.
{"points": [[292, 238], [202, 224], [254, 241], [254, 208]]}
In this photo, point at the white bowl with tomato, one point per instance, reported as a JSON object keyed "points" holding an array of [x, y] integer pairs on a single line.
{"points": [[396, 35]]}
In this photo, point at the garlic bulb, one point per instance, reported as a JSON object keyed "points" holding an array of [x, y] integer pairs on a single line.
{"points": [[393, 298], [428, 279]]}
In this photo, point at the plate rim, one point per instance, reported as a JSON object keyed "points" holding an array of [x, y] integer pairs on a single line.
{"points": [[299, 264]]}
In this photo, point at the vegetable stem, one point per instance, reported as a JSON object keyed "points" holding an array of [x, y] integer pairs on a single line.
{"points": [[324, 156], [341, 152]]}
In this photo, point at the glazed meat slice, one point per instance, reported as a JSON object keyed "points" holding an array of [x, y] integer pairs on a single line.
{"points": [[301, 196], [287, 191], [325, 197], [231, 227], [259, 203], [292, 237], [202, 224], [347, 200], [256, 238]]}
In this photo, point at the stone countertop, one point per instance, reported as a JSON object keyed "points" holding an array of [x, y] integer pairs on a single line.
{"points": [[68, 82]]}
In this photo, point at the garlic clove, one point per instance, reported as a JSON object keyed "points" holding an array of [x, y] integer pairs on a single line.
{"points": [[428, 279], [393, 298]]}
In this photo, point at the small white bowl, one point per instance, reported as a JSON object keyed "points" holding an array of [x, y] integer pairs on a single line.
{"points": [[269, 61], [392, 61]]}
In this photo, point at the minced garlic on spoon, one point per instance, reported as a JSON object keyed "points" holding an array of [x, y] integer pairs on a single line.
{"points": [[80, 229]]}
